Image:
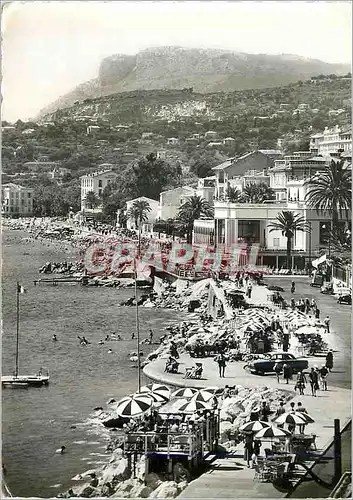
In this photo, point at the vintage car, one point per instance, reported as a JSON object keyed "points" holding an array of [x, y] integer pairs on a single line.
{"points": [[266, 365], [344, 299], [327, 288]]}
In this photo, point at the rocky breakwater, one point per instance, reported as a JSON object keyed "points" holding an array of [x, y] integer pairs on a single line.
{"points": [[239, 408]]}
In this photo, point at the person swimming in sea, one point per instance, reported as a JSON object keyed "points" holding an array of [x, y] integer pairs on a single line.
{"points": [[54, 338], [110, 351], [61, 450], [101, 342]]}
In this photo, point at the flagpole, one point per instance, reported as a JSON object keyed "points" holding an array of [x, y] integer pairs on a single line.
{"points": [[137, 319], [17, 327]]}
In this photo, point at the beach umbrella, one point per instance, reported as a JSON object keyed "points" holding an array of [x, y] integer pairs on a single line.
{"points": [[271, 433], [204, 396], [255, 426], [309, 330], [186, 392], [213, 390], [158, 389], [132, 406], [193, 406], [308, 419], [290, 418]]}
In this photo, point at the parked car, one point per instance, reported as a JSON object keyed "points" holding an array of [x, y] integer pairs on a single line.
{"points": [[327, 288], [266, 365], [344, 299], [317, 280]]}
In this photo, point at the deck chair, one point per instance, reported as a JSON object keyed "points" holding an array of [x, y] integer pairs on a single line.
{"points": [[188, 372], [197, 371]]}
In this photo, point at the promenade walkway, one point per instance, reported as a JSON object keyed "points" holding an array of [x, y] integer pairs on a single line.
{"points": [[230, 477]]}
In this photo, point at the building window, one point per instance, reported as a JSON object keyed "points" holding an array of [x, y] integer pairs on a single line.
{"points": [[100, 183], [324, 233], [276, 242], [99, 191], [249, 230], [29, 195]]}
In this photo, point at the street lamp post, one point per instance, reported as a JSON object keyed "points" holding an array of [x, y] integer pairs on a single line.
{"points": [[137, 317]]}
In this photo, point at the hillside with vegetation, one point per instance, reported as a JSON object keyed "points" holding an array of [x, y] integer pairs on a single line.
{"points": [[122, 128], [204, 70]]}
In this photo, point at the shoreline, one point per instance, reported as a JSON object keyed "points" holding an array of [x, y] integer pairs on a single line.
{"points": [[160, 377]]}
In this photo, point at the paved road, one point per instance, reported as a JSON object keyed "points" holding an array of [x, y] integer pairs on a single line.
{"points": [[340, 315]]}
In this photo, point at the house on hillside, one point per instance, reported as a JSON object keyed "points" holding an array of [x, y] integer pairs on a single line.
{"points": [[92, 129], [170, 201], [172, 141], [228, 141], [236, 167], [152, 215], [210, 135]]}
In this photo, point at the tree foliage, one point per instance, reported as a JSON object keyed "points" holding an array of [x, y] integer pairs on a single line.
{"points": [[288, 223], [330, 190], [193, 209]]}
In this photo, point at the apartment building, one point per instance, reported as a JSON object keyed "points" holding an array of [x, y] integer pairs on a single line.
{"points": [[95, 182], [16, 200], [332, 141]]}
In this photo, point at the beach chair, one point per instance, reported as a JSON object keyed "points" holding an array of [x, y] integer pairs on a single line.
{"points": [[188, 372]]}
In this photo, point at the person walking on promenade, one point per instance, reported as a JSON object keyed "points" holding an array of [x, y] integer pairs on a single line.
{"points": [[292, 288], [329, 360], [300, 408], [151, 336], [313, 378], [307, 306], [280, 410], [327, 323], [278, 370], [287, 372], [317, 313], [301, 381], [323, 377], [221, 360], [248, 448], [249, 290], [313, 304]]}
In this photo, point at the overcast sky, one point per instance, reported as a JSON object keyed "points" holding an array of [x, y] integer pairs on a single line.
{"points": [[50, 47]]}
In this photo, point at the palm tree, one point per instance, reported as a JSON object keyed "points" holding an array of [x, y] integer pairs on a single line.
{"points": [[138, 212], [92, 200], [257, 193], [330, 191], [233, 195], [194, 208], [288, 223]]}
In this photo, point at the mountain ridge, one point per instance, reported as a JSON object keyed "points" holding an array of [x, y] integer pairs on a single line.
{"points": [[204, 70]]}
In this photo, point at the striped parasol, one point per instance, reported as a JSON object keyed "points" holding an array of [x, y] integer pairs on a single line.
{"points": [[214, 390], [158, 390], [308, 418], [204, 396], [132, 406], [290, 418], [193, 406], [255, 426], [186, 393], [271, 433]]}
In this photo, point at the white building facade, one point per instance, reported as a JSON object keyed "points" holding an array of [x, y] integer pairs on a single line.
{"points": [[17, 200], [332, 141], [95, 182]]}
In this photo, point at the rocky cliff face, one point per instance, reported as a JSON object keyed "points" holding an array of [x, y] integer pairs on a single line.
{"points": [[204, 70]]}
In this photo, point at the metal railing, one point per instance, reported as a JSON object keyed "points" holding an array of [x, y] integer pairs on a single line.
{"points": [[166, 443]]}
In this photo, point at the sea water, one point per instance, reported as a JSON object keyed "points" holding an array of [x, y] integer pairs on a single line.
{"points": [[37, 421]]}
